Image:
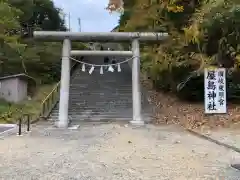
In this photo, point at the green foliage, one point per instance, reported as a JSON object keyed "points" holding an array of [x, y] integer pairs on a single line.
{"points": [[222, 36], [19, 53], [9, 23], [10, 112], [202, 33]]}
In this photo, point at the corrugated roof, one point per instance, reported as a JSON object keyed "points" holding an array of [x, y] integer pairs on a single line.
{"points": [[21, 76]]}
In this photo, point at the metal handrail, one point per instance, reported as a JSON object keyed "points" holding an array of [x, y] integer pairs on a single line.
{"points": [[50, 101], [48, 96], [52, 98]]}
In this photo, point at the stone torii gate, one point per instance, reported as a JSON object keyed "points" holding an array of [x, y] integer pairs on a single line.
{"points": [[67, 37]]}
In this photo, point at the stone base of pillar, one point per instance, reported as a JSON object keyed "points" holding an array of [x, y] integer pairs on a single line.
{"points": [[137, 122], [62, 124]]}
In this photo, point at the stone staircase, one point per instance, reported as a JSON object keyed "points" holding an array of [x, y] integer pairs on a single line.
{"points": [[106, 97]]}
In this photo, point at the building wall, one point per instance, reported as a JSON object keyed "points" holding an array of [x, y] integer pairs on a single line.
{"points": [[22, 90], [13, 90], [8, 89]]}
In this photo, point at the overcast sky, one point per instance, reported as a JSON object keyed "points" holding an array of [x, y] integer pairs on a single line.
{"points": [[94, 18]]}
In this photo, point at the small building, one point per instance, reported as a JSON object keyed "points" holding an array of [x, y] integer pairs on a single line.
{"points": [[15, 88]]}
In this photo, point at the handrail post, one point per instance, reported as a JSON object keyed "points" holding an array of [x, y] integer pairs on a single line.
{"points": [[52, 99], [48, 105], [43, 109], [28, 123], [20, 127]]}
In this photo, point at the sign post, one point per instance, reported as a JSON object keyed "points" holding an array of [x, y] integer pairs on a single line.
{"points": [[215, 91]]}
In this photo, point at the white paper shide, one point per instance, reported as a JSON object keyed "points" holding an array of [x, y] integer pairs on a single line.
{"points": [[215, 91]]}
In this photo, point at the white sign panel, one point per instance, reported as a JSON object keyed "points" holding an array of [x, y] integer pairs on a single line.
{"points": [[215, 91]]}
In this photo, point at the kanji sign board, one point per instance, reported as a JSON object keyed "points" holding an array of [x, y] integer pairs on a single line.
{"points": [[215, 90]]}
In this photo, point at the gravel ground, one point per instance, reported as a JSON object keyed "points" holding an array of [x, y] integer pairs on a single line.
{"points": [[113, 152]]}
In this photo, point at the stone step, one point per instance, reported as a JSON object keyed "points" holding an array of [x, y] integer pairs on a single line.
{"points": [[97, 100], [106, 106], [106, 92], [102, 94], [103, 109], [99, 119], [90, 111], [99, 103], [103, 115], [79, 90], [92, 115], [101, 97], [109, 96], [100, 90], [99, 107], [103, 88], [80, 117]]}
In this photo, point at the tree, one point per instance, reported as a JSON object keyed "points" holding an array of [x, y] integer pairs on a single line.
{"points": [[19, 52], [38, 14], [9, 30], [202, 33], [9, 24]]}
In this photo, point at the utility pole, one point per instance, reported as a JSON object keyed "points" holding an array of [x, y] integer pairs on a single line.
{"points": [[69, 23], [79, 23], [64, 18]]}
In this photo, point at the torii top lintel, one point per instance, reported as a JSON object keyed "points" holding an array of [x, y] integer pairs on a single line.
{"points": [[99, 36]]}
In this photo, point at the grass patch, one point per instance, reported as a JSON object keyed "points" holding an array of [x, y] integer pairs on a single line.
{"points": [[10, 112], [4, 110]]}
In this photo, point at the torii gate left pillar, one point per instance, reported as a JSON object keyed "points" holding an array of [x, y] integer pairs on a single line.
{"points": [[67, 37], [63, 120]]}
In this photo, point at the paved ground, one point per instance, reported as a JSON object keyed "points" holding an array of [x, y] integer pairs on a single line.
{"points": [[229, 136], [3, 128], [112, 152]]}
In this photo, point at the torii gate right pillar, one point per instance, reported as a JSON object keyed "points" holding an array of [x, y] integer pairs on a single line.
{"points": [[136, 91]]}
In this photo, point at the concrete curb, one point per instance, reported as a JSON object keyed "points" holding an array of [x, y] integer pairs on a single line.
{"points": [[208, 138], [13, 130]]}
